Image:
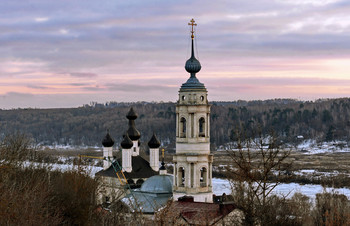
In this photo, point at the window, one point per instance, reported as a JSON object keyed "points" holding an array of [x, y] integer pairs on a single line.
{"points": [[203, 177], [201, 127], [202, 98], [183, 127], [181, 177]]}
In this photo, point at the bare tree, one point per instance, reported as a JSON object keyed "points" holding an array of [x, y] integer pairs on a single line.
{"points": [[331, 209], [257, 165]]}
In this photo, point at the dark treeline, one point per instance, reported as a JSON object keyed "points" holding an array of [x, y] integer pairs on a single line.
{"points": [[323, 120]]}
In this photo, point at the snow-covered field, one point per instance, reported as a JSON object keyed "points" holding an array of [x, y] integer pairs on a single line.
{"points": [[307, 147], [223, 186], [68, 147], [311, 147], [91, 170]]}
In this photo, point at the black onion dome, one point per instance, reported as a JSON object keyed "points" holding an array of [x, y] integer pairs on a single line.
{"points": [[134, 134], [127, 142], [107, 140], [131, 114], [192, 65], [154, 142], [163, 166]]}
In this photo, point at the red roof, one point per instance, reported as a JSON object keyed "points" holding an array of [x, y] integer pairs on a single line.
{"points": [[200, 212]]}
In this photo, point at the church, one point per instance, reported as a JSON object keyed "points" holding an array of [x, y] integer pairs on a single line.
{"points": [[150, 187]]}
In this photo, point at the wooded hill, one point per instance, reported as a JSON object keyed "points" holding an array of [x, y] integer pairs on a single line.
{"points": [[323, 120]]}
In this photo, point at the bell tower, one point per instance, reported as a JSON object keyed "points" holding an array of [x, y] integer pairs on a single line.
{"points": [[193, 161]]}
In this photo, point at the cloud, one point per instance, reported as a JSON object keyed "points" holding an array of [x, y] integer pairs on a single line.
{"points": [[41, 19], [64, 31], [137, 49], [83, 75], [37, 87]]}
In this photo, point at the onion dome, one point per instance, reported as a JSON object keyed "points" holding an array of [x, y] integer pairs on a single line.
{"points": [[134, 134], [107, 140], [154, 142], [131, 114], [163, 166], [127, 142], [193, 66]]}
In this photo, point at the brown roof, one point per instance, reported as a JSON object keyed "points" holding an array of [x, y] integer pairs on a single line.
{"points": [[199, 213]]}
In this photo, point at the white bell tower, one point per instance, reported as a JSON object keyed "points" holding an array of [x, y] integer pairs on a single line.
{"points": [[193, 161]]}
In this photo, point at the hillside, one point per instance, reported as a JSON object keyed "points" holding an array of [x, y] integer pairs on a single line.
{"points": [[321, 120]]}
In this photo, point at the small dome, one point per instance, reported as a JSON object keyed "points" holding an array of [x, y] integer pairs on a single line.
{"points": [[127, 142], [107, 140], [131, 114], [133, 133], [154, 142], [192, 65], [158, 184]]}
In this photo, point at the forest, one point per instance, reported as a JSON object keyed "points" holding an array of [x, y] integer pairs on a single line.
{"points": [[321, 120]]}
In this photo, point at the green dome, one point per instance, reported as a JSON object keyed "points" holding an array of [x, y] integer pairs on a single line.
{"points": [[158, 184]]}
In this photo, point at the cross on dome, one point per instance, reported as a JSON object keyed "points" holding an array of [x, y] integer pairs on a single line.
{"points": [[192, 24]]}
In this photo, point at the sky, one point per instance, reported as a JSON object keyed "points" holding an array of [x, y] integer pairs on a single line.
{"points": [[68, 53]]}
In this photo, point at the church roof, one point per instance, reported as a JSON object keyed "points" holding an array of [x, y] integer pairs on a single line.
{"points": [[153, 195], [134, 134], [158, 184], [131, 114], [154, 142], [126, 142], [198, 213], [140, 169], [107, 140], [192, 66]]}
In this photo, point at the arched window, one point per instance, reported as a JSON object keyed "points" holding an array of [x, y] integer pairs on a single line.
{"points": [[183, 127], [203, 177], [181, 177], [202, 127]]}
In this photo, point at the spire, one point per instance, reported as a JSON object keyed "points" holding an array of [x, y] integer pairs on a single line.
{"points": [[163, 164], [192, 36], [162, 169], [192, 65]]}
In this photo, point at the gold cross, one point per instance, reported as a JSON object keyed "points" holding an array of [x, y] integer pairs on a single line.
{"points": [[163, 152], [192, 24]]}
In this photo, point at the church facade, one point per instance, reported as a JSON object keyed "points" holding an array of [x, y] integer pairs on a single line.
{"points": [[192, 175], [193, 161]]}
